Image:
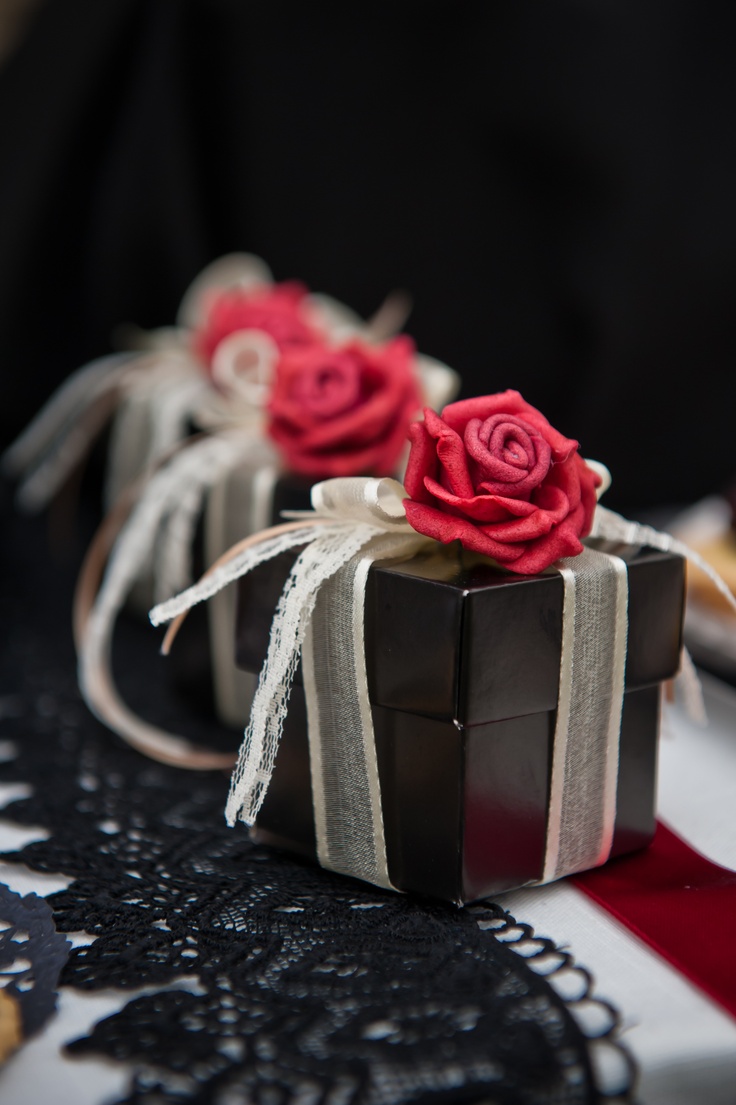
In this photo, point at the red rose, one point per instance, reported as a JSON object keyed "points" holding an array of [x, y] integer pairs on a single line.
{"points": [[277, 310], [344, 411], [493, 474]]}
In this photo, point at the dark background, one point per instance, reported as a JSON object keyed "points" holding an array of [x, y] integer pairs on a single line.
{"points": [[553, 182]]}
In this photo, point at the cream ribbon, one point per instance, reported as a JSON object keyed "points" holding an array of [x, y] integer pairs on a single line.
{"points": [[158, 532], [358, 516], [346, 790], [156, 409], [582, 802], [60, 435]]}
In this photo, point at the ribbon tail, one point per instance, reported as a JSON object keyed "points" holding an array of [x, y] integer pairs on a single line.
{"points": [[692, 690], [608, 524], [612, 526], [330, 549], [236, 562], [65, 405], [151, 419], [196, 467], [173, 552]]}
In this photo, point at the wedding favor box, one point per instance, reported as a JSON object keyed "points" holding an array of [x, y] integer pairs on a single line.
{"points": [[463, 663]]}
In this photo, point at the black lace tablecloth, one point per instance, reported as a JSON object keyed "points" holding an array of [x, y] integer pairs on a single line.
{"points": [[267, 980]]}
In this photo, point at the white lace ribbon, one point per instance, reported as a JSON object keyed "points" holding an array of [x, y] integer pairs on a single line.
{"points": [[379, 529]]}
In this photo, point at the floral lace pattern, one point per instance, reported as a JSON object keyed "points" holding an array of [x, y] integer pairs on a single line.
{"points": [[269, 980]]}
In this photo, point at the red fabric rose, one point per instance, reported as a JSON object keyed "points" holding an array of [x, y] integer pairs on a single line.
{"points": [[493, 474], [344, 411], [277, 310]]}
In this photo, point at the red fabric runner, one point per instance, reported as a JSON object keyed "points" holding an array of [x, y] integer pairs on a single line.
{"points": [[679, 903]]}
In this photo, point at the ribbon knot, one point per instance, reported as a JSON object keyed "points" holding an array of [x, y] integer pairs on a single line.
{"points": [[372, 502]]}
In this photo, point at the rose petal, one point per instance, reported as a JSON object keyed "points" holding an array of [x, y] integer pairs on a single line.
{"points": [[478, 508], [523, 558], [486, 444], [364, 423], [277, 310], [560, 542], [457, 415], [422, 458], [451, 455], [562, 447], [444, 527], [566, 478], [499, 430], [327, 392], [589, 482], [378, 458]]}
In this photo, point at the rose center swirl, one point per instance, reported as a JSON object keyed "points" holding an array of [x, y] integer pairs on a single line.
{"points": [[507, 451]]}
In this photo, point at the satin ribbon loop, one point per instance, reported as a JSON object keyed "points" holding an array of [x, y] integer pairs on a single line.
{"points": [[243, 366], [376, 502]]}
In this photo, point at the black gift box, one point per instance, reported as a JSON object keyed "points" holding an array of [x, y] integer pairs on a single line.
{"points": [[463, 669]]}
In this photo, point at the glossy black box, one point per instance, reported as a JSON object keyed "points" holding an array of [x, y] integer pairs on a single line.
{"points": [[463, 662]]}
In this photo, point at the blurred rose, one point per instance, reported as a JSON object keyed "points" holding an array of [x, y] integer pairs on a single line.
{"points": [[277, 310], [344, 411]]}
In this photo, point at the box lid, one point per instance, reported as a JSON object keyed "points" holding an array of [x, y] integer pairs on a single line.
{"points": [[451, 636]]}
